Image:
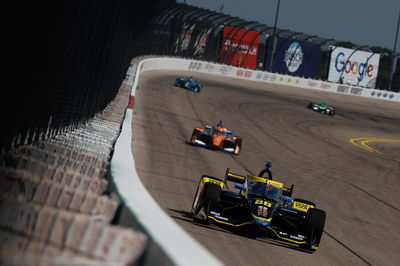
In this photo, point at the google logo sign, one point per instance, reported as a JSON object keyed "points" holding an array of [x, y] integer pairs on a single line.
{"points": [[353, 67]]}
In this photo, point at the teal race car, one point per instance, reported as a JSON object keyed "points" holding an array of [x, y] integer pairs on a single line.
{"points": [[322, 108]]}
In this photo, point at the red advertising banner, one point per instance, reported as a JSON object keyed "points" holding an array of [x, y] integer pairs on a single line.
{"points": [[239, 47]]}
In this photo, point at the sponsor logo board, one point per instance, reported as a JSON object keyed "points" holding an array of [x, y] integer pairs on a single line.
{"points": [[293, 57], [358, 68], [239, 47]]}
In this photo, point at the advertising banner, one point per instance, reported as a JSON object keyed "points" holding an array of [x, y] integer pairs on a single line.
{"points": [[201, 41], [293, 57], [239, 47], [353, 67], [182, 42]]}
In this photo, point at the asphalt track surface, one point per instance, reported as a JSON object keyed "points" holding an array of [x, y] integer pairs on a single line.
{"points": [[358, 188]]}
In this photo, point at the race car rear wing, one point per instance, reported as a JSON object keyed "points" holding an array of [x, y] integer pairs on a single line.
{"points": [[234, 177], [288, 191]]}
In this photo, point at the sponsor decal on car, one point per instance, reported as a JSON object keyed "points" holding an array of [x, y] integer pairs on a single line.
{"points": [[218, 216], [301, 206], [297, 237], [263, 202], [262, 211]]}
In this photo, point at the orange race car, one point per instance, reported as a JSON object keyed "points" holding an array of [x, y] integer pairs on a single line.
{"points": [[216, 137]]}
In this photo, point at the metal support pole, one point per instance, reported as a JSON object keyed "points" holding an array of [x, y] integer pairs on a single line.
{"points": [[394, 58], [273, 36]]}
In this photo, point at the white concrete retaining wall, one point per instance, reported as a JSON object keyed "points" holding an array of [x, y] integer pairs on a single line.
{"points": [[241, 73]]}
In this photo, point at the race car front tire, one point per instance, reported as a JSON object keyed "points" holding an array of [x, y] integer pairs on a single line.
{"points": [[195, 134], [313, 228], [178, 83], [208, 202]]}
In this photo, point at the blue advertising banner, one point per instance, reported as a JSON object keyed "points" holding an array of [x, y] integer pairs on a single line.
{"points": [[293, 57]]}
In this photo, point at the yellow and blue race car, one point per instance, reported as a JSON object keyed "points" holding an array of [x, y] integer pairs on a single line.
{"points": [[261, 205]]}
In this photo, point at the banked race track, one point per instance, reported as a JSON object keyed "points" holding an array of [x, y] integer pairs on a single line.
{"points": [[349, 164]]}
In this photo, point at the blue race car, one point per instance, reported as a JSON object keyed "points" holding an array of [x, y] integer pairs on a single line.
{"points": [[188, 83]]}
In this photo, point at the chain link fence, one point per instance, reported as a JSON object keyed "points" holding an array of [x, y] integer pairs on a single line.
{"points": [[188, 31]]}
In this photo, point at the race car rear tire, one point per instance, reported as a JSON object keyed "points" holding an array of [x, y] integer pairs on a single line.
{"points": [[196, 89], [310, 105], [238, 146], [208, 202], [313, 228]]}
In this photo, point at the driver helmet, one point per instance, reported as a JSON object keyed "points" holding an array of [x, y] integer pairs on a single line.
{"points": [[268, 164]]}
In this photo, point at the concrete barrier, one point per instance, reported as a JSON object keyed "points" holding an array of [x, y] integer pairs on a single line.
{"points": [[260, 76], [138, 203]]}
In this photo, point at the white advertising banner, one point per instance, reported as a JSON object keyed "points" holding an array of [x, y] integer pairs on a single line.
{"points": [[358, 68]]}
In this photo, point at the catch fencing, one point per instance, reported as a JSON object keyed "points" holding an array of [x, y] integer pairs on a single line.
{"points": [[202, 34]]}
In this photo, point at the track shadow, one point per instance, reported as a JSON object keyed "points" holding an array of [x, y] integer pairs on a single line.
{"points": [[247, 232]]}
